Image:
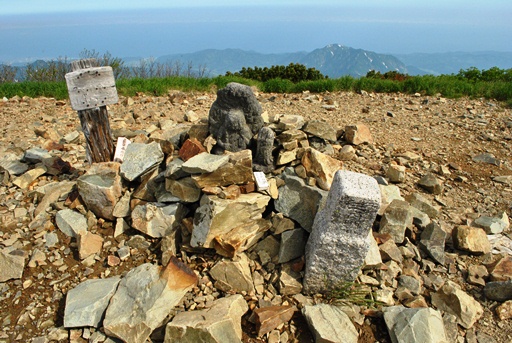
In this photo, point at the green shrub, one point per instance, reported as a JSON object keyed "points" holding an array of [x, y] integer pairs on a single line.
{"points": [[294, 72]]}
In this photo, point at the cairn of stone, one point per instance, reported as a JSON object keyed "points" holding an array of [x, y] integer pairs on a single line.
{"points": [[234, 118], [338, 243]]}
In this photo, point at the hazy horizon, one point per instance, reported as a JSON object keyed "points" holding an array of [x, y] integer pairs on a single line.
{"points": [[153, 29]]}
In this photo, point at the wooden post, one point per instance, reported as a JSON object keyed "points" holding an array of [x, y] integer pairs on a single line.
{"points": [[91, 88]]}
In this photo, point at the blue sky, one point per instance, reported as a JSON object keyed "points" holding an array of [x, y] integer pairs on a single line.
{"points": [[33, 29]]}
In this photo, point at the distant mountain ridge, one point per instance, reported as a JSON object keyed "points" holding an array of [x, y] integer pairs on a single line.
{"points": [[333, 60]]}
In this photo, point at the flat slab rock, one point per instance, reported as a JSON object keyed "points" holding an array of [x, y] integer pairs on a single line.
{"points": [[329, 323], [144, 298], [87, 302]]}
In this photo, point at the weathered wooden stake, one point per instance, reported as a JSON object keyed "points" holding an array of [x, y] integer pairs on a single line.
{"points": [[91, 88]]}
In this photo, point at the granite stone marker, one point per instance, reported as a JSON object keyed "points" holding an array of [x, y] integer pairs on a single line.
{"points": [[338, 243]]}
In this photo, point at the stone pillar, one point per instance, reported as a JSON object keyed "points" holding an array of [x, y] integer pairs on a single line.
{"points": [[338, 243], [264, 161]]}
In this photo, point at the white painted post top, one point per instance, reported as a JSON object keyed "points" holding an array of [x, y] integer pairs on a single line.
{"points": [[91, 87]]}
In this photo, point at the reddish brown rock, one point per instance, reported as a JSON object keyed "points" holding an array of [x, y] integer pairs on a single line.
{"points": [[190, 148]]}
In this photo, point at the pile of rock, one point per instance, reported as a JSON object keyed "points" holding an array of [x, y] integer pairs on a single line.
{"points": [[254, 255]]}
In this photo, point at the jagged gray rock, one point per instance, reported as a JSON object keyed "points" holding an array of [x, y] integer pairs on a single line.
{"points": [[12, 164], [432, 242], [293, 243], [36, 155], [71, 223], [491, 225], [140, 158], [396, 219], [87, 302], [338, 243], [298, 201], [235, 117]]}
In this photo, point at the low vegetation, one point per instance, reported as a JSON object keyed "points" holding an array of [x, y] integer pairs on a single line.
{"points": [[47, 79]]}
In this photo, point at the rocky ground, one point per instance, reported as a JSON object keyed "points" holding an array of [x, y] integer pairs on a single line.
{"points": [[464, 144]]}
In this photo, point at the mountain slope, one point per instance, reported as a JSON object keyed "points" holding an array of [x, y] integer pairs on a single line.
{"points": [[336, 60]]}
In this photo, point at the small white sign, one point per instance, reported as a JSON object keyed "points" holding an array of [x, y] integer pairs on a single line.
{"points": [[261, 181], [122, 143]]}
